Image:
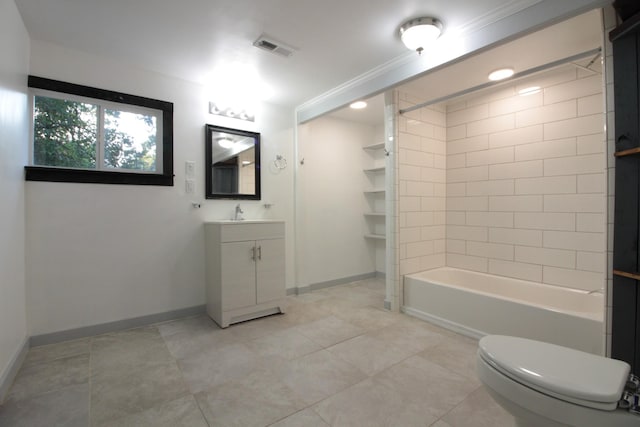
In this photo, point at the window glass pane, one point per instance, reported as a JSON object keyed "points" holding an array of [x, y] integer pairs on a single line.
{"points": [[130, 140], [65, 133]]}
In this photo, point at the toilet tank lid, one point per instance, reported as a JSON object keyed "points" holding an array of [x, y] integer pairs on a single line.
{"points": [[559, 370]]}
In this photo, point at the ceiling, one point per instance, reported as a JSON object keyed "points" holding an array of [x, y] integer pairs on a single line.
{"points": [[210, 41], [579, 34]]}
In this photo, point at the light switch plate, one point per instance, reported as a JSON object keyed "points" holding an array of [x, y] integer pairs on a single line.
{"points": [[189, 186], [190, 169]]}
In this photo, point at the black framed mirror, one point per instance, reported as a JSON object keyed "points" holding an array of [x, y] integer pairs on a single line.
{"points": [[232, 163]]}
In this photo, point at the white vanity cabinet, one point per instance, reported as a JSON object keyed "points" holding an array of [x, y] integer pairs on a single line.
{"points": [[245, 270]]}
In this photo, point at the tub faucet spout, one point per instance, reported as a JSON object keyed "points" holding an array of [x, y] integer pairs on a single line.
{"points": [[239, 212]]}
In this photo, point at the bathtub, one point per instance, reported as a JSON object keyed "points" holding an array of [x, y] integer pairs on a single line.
{"points": [[478, 304]]}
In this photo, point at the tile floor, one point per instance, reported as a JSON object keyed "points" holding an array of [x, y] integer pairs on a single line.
{"points": [[334, 359]]}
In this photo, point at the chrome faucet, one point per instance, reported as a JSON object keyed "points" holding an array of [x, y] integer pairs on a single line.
{"points": [[239, 212]]}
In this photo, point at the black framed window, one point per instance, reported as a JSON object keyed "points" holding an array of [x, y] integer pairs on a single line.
{"points": [[85, 134]]}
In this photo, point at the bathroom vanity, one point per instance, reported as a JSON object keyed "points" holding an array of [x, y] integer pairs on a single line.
{"points": [[245, 269]]}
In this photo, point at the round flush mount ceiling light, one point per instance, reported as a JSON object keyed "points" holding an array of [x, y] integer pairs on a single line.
{"points": [[420, 32], [358, 105], [501, 74]]}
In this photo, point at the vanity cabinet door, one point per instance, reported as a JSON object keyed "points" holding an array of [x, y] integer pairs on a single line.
{"points": [[238, 275], [270, 269]]}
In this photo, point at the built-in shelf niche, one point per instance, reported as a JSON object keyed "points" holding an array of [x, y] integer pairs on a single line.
{"points": [[375, 191]]}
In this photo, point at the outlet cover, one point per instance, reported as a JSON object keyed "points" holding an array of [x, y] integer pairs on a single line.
{"points": [[189, 186]]}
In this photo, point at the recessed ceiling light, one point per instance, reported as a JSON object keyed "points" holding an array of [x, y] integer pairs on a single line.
{"points": [[529, 90], [501, 74], [358, 105]]}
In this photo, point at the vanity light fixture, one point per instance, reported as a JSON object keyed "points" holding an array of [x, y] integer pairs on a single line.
{"points": [[501, 74], [418, 33], [529, 90], [358, 105], [230, 112]]}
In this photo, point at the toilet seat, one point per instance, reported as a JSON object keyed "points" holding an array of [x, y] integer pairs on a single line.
{"points": [[567, 374]]}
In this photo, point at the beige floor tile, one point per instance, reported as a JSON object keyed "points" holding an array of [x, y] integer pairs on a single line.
{"points": [[479, 410], [410, 334], [47, 353], [336, 304], [191, 336], [304, 418], [260, 327], [288, 344], [317, 375], [301, 313], [377, 369], [371, 404], [182, 412], [37, 378], [118, 393], [125, 350], [369, 318], [307, 297], [455, 354], [433, 387], [192, 325], [257, 400], [217, 366], [329, 331], [358, 296], [374, 284], [67, 407], [370, 354]]}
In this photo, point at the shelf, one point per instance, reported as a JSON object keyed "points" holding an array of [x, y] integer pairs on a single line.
{"points": [[375, 170], [374, 191], [634, 276], [629, 152], [375, 214], [377, 146], [375, 236]]}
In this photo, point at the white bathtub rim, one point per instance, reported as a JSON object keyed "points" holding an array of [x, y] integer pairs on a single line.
{"points": [[584, 314]]}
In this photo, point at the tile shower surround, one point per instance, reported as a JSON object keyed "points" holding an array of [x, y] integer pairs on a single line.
{"points": [[522, 191], [334, 359]]}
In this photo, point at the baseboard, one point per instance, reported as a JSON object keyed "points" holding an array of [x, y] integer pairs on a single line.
{"points": [[9, 374], [330, 283], [119, 325]]}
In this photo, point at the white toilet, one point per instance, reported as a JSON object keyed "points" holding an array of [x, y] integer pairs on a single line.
{"points": [[546, 385]]}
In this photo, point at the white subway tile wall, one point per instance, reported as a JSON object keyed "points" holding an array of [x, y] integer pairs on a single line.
{"points": [[523, 193], [422, 148], [528, 172]]}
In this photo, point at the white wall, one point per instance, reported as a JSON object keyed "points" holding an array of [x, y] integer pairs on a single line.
{"points": [[14, 134], [330, 201], [101, 253]]}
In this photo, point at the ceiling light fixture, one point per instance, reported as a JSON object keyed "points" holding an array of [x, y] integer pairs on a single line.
{"points": [[420, 32], [358, 105], [501, 74]]}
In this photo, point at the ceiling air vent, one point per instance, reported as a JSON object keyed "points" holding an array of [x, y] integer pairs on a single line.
{"points": [[271, 45]]}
